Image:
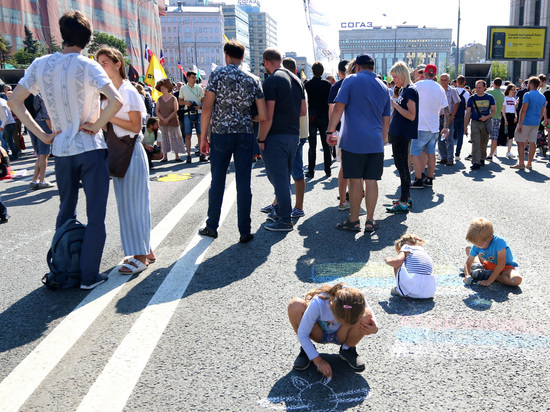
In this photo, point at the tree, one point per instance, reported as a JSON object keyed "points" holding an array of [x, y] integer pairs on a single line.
{"points": [[499, 69], [103, 39], [5, 50], [32, 46], [52, 45]]}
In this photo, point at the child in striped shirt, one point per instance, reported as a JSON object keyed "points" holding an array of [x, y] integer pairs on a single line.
{"points": [[413, 269]]}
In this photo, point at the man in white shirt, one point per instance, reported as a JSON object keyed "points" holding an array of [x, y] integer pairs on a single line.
{"points": [[432, 100], [7, 128], [70, 85]]}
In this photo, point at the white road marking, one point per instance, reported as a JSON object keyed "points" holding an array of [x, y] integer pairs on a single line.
{"points": [[16, 388], [115, 384]]}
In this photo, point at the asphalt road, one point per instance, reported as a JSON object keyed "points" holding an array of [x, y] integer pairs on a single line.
{"points": [[205, 327]]}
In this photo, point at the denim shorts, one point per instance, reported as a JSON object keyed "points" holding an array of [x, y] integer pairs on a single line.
{"points": [[426, 140], [298, 164], [330, 337], [39, 146], [191, 121]]}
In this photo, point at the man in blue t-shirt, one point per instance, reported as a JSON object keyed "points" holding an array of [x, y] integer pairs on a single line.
{"points": [[532, 110], [481, 108], [366, 123]]}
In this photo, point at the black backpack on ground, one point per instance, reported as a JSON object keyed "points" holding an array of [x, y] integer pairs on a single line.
{"points": [[64, 256]]}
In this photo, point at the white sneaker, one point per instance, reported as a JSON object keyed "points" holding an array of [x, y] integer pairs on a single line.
{"points": [[510, 155], [457, 157]]}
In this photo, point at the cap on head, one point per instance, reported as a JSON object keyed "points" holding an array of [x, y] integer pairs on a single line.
{"points": [[420, 67], [431, 69], [364, 59]]}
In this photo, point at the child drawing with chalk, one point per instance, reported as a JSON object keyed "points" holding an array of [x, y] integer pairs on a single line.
{"points": [[331, 314], [413, 269], [490, 258]]}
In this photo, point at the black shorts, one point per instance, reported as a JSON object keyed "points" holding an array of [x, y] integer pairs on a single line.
{"points": [[367, 166]]}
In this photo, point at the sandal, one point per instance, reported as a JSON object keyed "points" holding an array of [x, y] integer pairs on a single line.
{"points": [[132, 267], [370, 226], [349, 226]]}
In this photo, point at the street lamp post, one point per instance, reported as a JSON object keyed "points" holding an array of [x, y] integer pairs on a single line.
{"points": [[139, 33], [395, 44]]}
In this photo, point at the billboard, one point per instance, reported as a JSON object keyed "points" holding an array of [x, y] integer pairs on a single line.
{"points": [[516, 42]]}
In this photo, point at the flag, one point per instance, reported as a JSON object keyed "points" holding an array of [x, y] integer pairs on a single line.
{"points": [[213, 67], [133, 75], [196, 70], [323, 52], [161, 60], [226, 40], [91, 56], [303, 75], [155, 72], [182, 71], [148, 53]]}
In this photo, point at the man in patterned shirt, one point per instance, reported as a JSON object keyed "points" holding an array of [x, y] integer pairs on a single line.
{"points": [[230, 96], [70, 85]]}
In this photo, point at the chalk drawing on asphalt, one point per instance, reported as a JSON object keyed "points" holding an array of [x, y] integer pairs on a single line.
{"points": [[316, 396], [467, 338]]}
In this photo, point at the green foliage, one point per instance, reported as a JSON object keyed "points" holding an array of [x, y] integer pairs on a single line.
{"points": [[32, 46], [499, 69], [5, 50], [103, 39], [52, 46]]}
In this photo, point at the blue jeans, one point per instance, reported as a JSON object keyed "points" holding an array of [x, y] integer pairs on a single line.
{"points": [[222, 147], [446, 146], [458, 124], [92, 169], [8, 137], [3, 143], [278, 156], [3, 210], [190, 122]]}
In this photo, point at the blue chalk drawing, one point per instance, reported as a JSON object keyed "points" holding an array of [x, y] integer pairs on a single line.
{"points": [[477, 337]]}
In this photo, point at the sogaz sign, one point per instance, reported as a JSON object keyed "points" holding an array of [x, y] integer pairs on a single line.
{"points": [[356, 25]]}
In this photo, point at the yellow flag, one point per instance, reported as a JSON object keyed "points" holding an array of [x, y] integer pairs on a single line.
{"points": [[303, 75], [226, 40], [155, 72]]}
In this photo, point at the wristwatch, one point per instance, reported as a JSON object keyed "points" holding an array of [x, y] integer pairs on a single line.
{"points": [[261, 141]]}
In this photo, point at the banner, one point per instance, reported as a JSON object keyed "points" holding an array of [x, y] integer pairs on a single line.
{"points": [[155, 72], [516, 43]]}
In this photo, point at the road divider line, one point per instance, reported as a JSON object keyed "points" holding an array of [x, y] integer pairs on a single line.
{"points": [[19, 385], [115, 384]]}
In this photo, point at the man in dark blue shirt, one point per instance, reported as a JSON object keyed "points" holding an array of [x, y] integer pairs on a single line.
{"points": [[279, 135]]}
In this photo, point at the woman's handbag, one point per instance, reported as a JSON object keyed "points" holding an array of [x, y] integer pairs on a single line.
{"points": [[120, 152]]}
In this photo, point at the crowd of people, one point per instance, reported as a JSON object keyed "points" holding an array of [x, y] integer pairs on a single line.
{"points": [[236, 116]]}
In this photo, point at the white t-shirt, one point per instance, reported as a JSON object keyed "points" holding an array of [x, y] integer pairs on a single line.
{"points": [[192, 94], [133, 102], [6, 116], [431, 99], [70, 85], [510, 104]]}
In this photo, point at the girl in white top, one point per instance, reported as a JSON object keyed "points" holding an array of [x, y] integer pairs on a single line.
{"points": [[132, 191], [331, 314], [510, 115], [413, 269]]}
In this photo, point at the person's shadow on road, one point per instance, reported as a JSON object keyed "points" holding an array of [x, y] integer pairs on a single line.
{"points": [[484, 296], [309, 391]]}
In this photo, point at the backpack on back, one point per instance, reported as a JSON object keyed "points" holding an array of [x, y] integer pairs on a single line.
{"points": [[462, 105], [64, 256]]}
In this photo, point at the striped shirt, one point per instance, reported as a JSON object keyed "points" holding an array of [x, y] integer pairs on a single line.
{"points": [[418, 261]]}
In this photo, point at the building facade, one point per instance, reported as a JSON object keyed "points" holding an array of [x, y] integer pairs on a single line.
{"points": [[236, 27], [194, 37], [263, 34], [118, 18], [530, 13], [410, 44], [473, 53]]}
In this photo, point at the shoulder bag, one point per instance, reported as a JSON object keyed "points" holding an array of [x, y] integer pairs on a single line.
{"points": [[120, 151]]}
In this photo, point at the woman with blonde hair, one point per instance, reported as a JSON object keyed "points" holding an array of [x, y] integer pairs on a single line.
{"points": [[132, 190], [403, 128]]}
